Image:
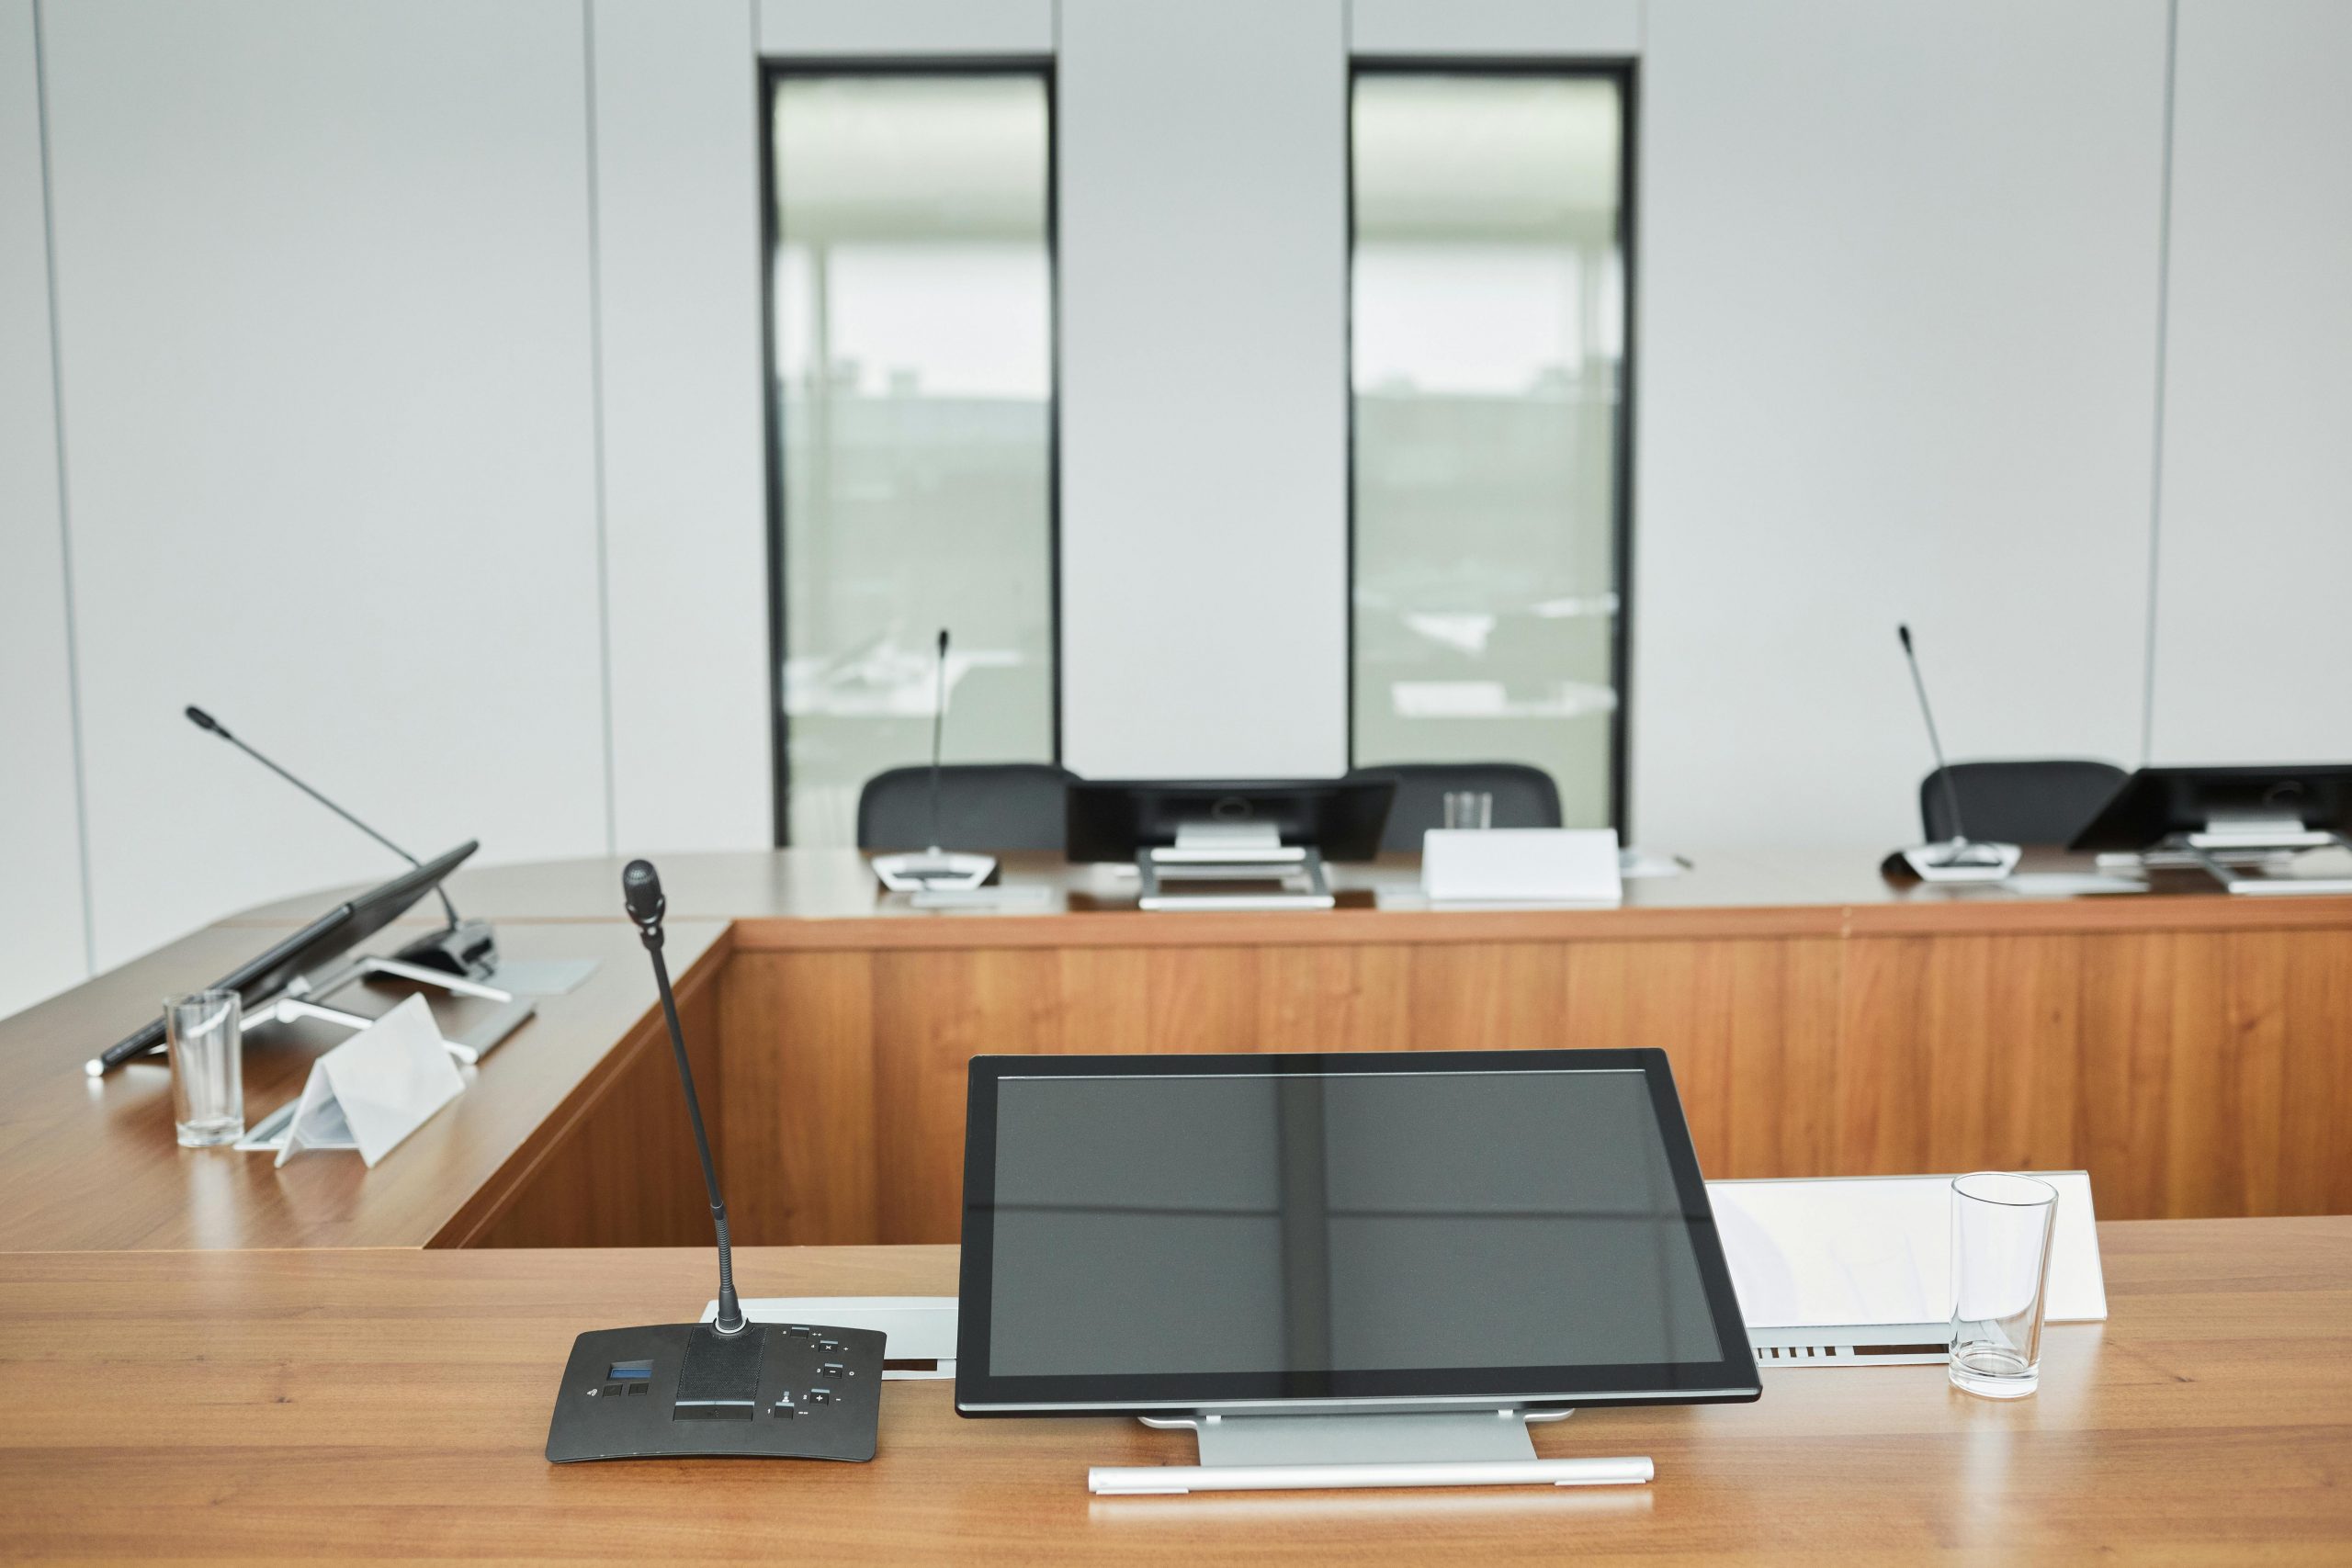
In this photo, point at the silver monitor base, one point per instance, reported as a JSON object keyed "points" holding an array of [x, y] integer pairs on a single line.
{"points": [[304, 998], [1300, 871], [1297, 1452], [2251, 860]]}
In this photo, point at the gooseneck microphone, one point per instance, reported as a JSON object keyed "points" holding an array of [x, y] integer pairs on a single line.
{"points": [[935, 870], [1958, 858], [203, 720], [731, 1385], [938, 731], [1935, 744], [464, 947], [642, 892]]}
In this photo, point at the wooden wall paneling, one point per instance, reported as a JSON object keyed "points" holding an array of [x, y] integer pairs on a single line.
{"points": [[2128, 1000], [1201, 1000], [1779, 1087], [1750, 1028], [1488, 997], [1105, 995], [933, 1012], [1883, 1077], [800, 1143], [2257, 1013], [1961, 1053], [2313, 1144], [2200, 1088], [1342, 997], [624, 1173]]}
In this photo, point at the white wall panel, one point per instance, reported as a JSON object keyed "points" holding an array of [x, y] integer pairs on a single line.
{"points": [[1202, 269], [1896, 360], [2253, 645], [936, 29], [685, 518], [40, 918], [324, 295], [1584, 30]]}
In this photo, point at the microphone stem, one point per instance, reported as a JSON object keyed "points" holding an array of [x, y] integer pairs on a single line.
{"points": [[938, 726], [448, 908], [1943, 769], [730, 1311]]}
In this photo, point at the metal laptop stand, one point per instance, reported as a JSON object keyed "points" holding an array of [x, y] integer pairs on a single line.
{"points": [[1218, 852], [2242, 853], [1276, 1452]]}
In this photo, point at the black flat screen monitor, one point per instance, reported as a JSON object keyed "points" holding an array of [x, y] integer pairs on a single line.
{"points": [[1114, 819], [336, 932], [1429, 1228], [2156, 803]]}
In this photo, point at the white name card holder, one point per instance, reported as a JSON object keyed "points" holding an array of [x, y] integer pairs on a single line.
{"points": [[1517, 868], [369, 1092]]}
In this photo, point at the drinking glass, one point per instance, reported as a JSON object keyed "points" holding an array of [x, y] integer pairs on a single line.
{"points": [[1469, 808], [2000, 1261], [204, 1033]]}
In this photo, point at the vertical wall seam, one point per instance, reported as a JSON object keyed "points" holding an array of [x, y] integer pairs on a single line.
{"points": [[2164, 320], [596, 424], [64, 510]]}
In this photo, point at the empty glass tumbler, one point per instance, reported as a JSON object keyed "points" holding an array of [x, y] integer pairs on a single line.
{"points": [[2000, 1263], [1469, 808], [205, 1031]]}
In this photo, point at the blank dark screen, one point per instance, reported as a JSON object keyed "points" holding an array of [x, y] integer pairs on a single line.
{"points": [[1338, 1222]]}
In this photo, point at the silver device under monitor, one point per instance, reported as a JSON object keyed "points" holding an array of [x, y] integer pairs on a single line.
{"points": [[2251, 856], [1289, 876]]}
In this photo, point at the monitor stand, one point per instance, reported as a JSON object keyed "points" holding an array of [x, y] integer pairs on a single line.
{"points": [[1292, 1451], [304, 998], [2248, 855], [1238, 851]]}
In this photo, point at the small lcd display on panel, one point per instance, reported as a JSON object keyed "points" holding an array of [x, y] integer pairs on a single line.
{"points": [[1274, 1223]]}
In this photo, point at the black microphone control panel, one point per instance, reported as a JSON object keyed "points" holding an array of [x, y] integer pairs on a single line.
{"points": [[777, 1389]]}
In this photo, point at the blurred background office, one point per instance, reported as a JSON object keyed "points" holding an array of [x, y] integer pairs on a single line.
{"points": [[567, 421]]}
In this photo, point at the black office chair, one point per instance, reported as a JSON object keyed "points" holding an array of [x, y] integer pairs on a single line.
{"points": [[1524, 796], [989, 807], [2038, 802]]}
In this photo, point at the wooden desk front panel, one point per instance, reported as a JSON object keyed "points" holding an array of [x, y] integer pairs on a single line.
{"points": [[845, 1070], [2193, 1073]]}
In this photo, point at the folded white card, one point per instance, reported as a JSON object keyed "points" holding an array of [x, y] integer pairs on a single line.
{"points": [[376, 1088], [1521, 865], [1849, 1252]]}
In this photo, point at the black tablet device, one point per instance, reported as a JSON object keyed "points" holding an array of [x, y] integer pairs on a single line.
{"points": [[1377, 1229], [309, 950]]}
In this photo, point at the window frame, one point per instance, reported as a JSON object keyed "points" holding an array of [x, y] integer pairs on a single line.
{"points": [[771, 76], [1626, 74]]}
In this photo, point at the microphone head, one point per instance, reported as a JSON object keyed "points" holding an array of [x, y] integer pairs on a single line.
{"points": [[642, 891], [1903, 630], [203, 720], [942, 642]]}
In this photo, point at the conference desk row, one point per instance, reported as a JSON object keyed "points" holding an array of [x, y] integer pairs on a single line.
{"points": [[209, 1356], [2191, 1050]]}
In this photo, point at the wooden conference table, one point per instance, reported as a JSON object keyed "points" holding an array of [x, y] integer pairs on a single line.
{"points": [[328, 1403], [2192, 1050]]}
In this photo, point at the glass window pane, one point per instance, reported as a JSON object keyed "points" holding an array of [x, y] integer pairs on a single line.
{"points": [[1488, 354], [913, 357]]}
